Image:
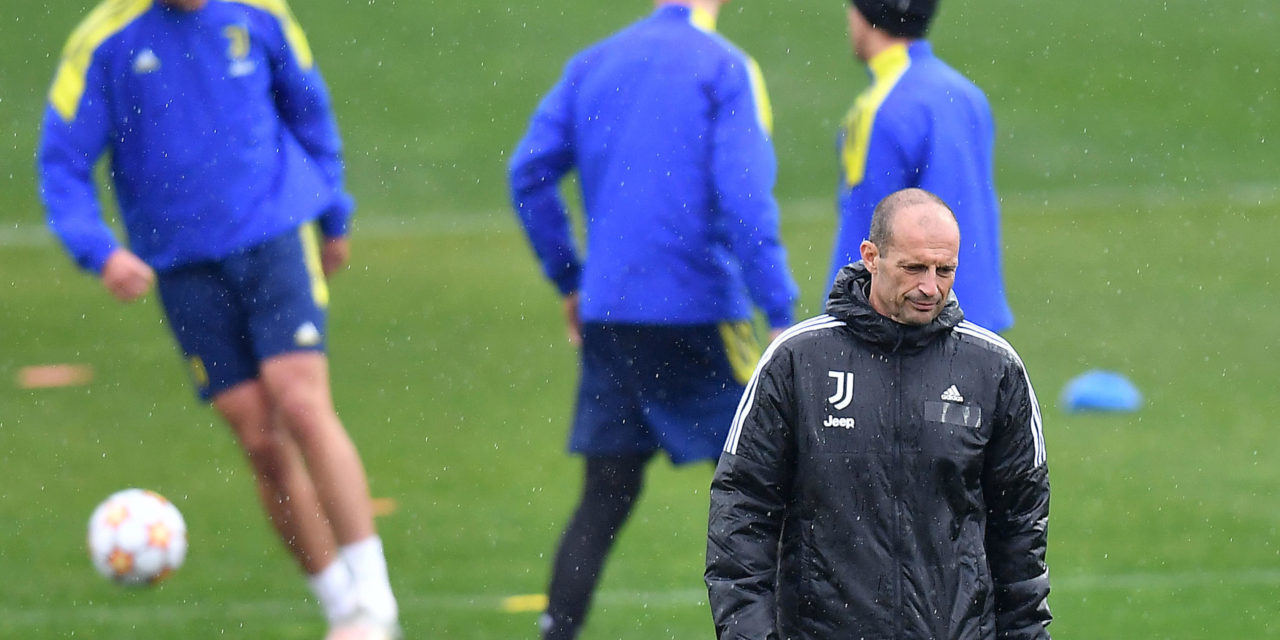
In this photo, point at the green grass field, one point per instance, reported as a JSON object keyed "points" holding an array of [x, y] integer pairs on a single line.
{"points": [[1138, 168]]}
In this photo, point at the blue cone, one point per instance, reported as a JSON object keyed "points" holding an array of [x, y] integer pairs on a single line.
{"points": [[1098, 390]]}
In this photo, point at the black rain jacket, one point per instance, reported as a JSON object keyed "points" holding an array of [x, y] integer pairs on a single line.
{"points": [[882, 481]]}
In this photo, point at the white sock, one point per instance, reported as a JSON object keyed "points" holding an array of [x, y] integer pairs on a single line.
{"points": [[333, 587], [369, 570]]}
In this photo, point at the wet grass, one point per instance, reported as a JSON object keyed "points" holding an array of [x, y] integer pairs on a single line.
{"points": [[451, 371]]}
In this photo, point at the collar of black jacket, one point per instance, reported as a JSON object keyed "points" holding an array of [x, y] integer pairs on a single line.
{"points": [[849, 301]]}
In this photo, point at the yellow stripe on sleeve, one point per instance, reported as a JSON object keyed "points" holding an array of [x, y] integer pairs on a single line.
{"points": [[106, 20], [703, 19], [887, 67], [292, 30], [764, 108]]}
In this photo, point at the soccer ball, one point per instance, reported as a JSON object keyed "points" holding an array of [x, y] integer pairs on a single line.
{"points": [[137, 537]]}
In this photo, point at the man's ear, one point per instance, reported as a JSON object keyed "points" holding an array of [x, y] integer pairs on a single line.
{"points": [[870, 255]]}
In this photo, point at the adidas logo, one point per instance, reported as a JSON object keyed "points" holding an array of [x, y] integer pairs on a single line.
{"points": [[239, 68], [952, 394], [145, 62], [307, 335]]}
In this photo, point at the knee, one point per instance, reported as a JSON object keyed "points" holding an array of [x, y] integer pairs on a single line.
{"points": [[247, 411], [304, 412], [616, 480], [297, 385], [266, 451]]}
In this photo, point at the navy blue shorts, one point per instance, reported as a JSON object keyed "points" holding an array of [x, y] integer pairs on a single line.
{"points": [[674, 388], [231, 314]]}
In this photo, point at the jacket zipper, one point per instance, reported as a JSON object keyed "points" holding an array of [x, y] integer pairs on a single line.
{"points": [[899, 487]]}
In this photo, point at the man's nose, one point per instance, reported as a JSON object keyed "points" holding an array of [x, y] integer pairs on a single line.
{"points": [[929, 283]]}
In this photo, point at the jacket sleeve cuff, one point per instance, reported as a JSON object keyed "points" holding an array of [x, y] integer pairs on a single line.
{"points": [[568, 278], [779, 318], [96, 257], [335, 221]]}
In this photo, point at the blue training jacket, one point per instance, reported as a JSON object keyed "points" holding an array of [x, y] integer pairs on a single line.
{"points": [[922, 124], [217, 123], [667, 125]]}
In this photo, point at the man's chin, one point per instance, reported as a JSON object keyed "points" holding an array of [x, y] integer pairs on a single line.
{"points": [[917, 316]]}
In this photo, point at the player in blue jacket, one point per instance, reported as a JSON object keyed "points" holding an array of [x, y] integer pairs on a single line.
{"points": [[223, 151], [667, 125], [920, 124]]}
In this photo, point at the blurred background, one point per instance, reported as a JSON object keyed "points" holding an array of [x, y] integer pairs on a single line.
{"points": [[1137, 166]]}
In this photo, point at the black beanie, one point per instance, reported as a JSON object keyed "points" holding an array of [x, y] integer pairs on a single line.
{"points": [[901, 18]]}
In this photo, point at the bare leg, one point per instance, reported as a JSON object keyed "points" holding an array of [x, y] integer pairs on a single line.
{"points": [[298, 385], [284, 486]]}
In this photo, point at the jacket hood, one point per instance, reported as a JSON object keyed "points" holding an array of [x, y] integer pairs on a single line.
{"points": [[848, 301]]}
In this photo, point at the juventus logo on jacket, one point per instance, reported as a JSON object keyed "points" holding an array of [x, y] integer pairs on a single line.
{"points": [[844, 389]]}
